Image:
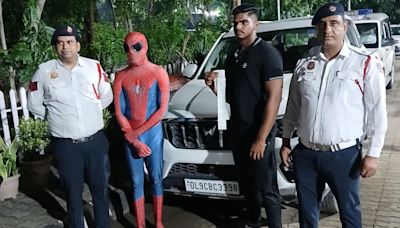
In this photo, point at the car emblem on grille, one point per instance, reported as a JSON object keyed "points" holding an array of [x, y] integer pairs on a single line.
{"points": [[210, 132]]}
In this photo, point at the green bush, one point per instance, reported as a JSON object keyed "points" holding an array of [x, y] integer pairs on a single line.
{"points": [[202, 39], [33, 136], [108, 45], [165, 35]]}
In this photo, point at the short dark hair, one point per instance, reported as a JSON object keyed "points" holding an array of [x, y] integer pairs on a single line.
{"points": [[246, 8]]}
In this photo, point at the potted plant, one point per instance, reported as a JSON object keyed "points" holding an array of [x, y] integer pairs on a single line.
{"points": [[8, 170], [33, 138]]}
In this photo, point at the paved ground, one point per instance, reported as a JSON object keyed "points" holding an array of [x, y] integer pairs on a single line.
{"points": [[380, 196]]}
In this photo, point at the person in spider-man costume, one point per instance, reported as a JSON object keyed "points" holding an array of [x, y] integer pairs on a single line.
{"points": [[141, 99]]}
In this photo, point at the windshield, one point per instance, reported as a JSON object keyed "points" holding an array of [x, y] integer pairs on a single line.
{"points": [[368, 34], [292, 44]]}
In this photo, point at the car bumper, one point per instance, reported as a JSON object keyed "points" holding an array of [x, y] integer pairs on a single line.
{"points": [[181, 164]]}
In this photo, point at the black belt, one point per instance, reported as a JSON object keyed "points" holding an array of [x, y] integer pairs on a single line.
{"points": [[79, 140]]}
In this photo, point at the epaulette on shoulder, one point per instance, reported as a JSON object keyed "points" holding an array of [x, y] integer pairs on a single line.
{"points": [[45, 65], [89, 60], [313, 51], [357, 50]]}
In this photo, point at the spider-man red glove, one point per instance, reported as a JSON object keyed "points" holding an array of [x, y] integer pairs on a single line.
{"points": [[141, 149]]}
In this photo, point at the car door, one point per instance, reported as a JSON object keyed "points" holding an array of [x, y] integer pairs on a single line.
{"points": [[388, 47]]}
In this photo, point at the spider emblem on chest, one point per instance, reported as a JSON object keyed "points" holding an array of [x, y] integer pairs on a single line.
{"points": [[136, 89]]}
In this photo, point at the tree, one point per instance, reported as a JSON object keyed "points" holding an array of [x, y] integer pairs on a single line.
{"points": [[4, 49], [108, 45], [11, 56], [162, 21], [32, 48], [39, 8], [2, 34]]}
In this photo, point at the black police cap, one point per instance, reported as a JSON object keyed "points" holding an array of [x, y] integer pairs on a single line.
{"points": [[65, 31], [330, 9], [244, 9]]}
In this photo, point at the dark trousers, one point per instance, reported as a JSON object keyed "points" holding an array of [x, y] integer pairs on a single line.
{"points": [[79, 162], [258, 181], [341, 170]]}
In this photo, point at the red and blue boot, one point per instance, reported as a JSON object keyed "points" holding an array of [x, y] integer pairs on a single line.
{"points": [[158, 207], [140, 213]]}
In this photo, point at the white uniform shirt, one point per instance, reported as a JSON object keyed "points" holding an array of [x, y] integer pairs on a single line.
{"points": [[330, 101], [70, 100]]}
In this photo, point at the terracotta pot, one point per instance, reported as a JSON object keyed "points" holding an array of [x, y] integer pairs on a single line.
{"points": [[35, 173], [9, 188]]}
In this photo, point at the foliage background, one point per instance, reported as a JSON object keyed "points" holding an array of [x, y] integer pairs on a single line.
{"points": [[104, 24]]}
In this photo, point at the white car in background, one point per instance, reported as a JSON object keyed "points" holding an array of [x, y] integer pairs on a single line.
{"points": [[197, 156], [374, 29], [396, 35]]}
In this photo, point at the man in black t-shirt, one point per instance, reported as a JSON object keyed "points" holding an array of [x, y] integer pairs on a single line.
{"points": [[253, 90]]}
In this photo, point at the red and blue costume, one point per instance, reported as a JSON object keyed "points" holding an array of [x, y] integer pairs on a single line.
{"points": [[141, 93]]}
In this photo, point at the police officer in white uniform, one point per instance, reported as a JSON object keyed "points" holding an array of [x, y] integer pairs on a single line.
{"points": [[337, 95], [70, 93]]}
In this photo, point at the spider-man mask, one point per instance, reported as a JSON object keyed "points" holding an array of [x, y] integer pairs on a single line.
{"points": [[135, 46]]}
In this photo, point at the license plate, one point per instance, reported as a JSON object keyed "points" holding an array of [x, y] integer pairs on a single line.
{"points": [[215, 187]]}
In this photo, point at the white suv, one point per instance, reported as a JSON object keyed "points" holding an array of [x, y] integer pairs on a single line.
{"points": [[396, 36], [376, 35], [197, 156]]}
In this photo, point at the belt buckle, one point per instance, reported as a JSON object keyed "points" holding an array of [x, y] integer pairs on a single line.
{"points": [[322, 147], [80, 140]]}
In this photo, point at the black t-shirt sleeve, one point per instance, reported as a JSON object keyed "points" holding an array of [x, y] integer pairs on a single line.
{"points": [[271, 63]]}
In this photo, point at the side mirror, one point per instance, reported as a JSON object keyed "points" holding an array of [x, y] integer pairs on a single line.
{"points": [[388, 42], [189, 70]]}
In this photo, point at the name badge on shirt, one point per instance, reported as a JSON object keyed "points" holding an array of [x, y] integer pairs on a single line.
{"points": [[53, 75]]}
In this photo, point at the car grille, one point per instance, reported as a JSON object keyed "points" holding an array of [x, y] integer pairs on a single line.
{"points": [[195, 134], [223, 172]]}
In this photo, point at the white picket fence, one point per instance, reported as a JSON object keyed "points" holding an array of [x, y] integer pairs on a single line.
{"points": [[18, 103]]}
